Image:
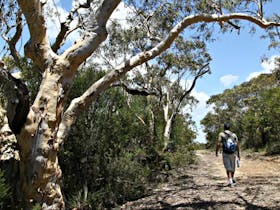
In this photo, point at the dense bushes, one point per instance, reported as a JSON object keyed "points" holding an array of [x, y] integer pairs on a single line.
{"points": [[110, 156]]}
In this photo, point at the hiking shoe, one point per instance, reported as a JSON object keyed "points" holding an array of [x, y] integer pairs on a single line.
{"points": [[233, 181], [230, 185]]}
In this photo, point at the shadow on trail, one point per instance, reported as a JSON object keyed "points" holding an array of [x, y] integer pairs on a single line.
{"points": [[192, 195], [215, 205], [204, 186], [188, 184], [250, 205]]}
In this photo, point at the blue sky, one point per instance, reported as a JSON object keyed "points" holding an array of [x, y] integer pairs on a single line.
{"points": [[235, 57]]}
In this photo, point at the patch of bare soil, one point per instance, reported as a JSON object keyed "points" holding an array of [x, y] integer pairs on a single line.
{"points": [[204, 186]]}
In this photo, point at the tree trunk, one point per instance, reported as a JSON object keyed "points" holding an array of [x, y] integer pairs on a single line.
{"points": [[152, 130], [166, 135], [151, 118], [39, 169], [39, 178]]}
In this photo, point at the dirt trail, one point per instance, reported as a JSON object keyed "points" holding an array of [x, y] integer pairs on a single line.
{"points": [[204, 186]]}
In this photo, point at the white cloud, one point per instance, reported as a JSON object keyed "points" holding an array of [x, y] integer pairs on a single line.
{"points": [[228, 80], [55, 15], [120, 14], [267, 67], [198, 112]]}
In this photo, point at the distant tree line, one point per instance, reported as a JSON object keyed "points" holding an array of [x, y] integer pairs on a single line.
{"points": [[253, 109]]}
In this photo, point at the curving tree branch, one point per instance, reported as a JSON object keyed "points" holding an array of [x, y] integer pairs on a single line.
{"points": [[14, 40], [203, 70], [96, 34], [104, 83]]}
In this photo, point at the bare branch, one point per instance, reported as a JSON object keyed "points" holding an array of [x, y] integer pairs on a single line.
{"points": [[203, 70], [200, 73], [134, 91], [261, 8], [12, 43], [65, 26], [14, 40], [234, 25], [38, 47], [97, 33]]}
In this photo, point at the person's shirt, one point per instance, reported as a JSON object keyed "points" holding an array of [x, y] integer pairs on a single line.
{"points": [[223, 135]]}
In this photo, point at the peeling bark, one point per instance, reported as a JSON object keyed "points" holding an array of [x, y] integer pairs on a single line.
{"points": [[39, 168]]}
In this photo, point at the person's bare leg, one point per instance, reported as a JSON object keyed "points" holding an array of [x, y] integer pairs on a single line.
{"points": [[233, 177], [230, 177], [229, 174]]}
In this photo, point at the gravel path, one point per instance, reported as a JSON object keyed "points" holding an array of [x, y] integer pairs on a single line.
{"points": [[204, 186]]}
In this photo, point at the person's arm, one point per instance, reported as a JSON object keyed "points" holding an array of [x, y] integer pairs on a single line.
{"points": [[238, 149], [217, 148]]}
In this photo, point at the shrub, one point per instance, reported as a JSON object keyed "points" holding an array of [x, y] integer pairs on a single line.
{"points": [[182, 157], [127, 178], [273, 148]]}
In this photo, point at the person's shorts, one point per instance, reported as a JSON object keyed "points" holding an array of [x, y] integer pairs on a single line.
{"points": [[229, 162]]}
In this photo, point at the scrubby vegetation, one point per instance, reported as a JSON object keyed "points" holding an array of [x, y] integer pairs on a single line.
{"points": [[252, 109], [110, 156]]}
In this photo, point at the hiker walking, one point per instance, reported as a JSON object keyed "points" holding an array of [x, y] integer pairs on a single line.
{"points": [[230, 147]]}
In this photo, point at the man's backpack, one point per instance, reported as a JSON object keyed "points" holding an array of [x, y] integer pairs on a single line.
{"points": [[229, 144]]}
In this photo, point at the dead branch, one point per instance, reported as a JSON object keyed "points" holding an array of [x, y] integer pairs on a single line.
{"points": [[134, 91]]}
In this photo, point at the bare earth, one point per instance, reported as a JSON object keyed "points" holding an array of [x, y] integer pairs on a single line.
{"points": [[204, 186]]}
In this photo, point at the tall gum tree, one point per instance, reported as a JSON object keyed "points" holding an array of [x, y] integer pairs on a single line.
{"points": [[189, 62], [42, 126]]}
